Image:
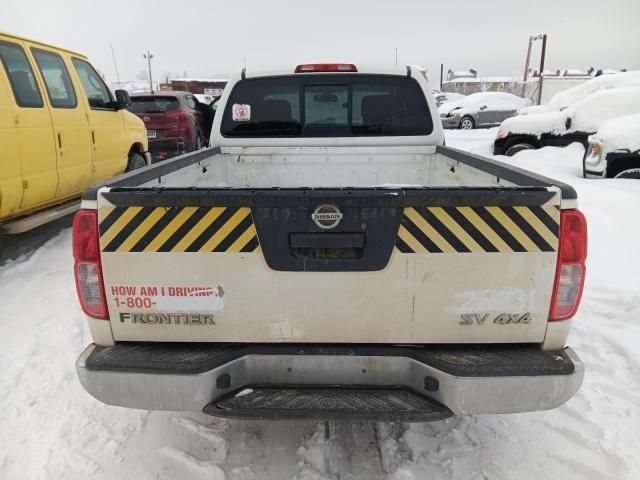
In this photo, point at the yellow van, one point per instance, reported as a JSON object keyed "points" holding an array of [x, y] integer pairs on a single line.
{"points": [[61, 128]]}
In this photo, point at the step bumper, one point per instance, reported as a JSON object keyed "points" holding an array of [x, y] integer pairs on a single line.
{"points": [[466, 380]]}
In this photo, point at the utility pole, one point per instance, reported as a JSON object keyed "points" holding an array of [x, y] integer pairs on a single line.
{"points": [[396, 55], [149, 56], [544, 51], [526, 67], [543, 37], [441, 74]]}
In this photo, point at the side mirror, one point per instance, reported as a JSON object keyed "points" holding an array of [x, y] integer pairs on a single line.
{"points": [[122, 99], [567, 123]]}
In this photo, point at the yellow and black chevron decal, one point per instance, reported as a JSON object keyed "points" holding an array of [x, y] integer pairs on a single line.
{"points": [[177, 229], [479, 229]]}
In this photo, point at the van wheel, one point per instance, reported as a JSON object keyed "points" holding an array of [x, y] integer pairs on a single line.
{"points": [[631, 173], [467, 123], [518, 147], [136, 161]]}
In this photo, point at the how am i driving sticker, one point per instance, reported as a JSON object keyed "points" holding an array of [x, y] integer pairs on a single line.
{"points": [[241, 112]]}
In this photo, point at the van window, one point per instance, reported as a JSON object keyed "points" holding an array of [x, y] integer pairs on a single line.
{"points": [[345, 105], [23, 82], [56, 79], [94, 87]]}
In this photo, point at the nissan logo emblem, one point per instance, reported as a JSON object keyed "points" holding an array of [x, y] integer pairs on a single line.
{"points": [[326, 217]]}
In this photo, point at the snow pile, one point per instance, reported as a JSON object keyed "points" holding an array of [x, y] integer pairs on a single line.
{"points": [[571, 95], [551, 122], [586, 115], [535, 109], [565, 98], [493, 100], [589, 113], [622, 133]]}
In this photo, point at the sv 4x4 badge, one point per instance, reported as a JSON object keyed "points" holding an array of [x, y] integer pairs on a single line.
{"points": [[502, 319]]}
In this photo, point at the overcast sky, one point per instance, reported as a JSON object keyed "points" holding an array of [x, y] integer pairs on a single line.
{"points": [[207, 38]]}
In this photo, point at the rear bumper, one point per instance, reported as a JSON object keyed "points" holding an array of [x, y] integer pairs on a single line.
{"points": [[466, 380]]}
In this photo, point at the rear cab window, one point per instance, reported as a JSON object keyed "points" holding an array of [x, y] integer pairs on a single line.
{"points": [[56, 79], [327, 106], [155, 104], [23, 83]]}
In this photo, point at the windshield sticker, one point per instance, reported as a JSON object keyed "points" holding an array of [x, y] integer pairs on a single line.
{"points": [[241, 112]]}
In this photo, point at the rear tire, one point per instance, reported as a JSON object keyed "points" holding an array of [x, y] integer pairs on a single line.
{"points": [[467, 123], [136, 161], [518, 147], [632, 173]]}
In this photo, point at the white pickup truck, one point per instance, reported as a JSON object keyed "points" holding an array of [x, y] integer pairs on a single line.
{"points": [[329, 257]]}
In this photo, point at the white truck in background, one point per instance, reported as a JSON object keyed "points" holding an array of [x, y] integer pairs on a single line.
{"points": [[329, 257]]}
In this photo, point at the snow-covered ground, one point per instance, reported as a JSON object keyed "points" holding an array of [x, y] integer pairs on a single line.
{"points": [[50, 428]]}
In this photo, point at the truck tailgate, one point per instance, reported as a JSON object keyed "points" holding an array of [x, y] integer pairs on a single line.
{"points": [[405, 265]]}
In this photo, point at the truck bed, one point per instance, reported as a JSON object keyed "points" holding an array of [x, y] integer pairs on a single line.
{"points": [[431, 263]]}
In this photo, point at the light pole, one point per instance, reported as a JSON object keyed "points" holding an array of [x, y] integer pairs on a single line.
{"points": [[149, 56]]}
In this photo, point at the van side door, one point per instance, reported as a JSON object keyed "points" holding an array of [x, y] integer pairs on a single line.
{"points": [[36, 161], [70, 123], [108, 135]]}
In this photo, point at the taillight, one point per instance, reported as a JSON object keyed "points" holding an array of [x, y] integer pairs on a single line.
{"points": [[326, 67], [570, 269], [87, 266]]}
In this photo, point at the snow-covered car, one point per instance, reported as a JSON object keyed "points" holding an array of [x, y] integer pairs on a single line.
{"points": [[614, 151], [481, 109], [565, 98], [561, 128]]}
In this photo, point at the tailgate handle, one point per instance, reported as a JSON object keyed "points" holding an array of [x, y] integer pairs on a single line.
{"points": [[326, 240]]}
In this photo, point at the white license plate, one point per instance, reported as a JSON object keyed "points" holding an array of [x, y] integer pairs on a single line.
{"points": [[151, 134]]}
